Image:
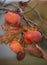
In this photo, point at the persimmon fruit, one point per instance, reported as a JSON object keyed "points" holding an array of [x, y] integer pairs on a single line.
{"points": [[32, 36], [12, 18], [16, 47]]}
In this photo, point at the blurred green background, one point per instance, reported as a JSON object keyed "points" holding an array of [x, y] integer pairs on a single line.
{"points": [[31, 60]]}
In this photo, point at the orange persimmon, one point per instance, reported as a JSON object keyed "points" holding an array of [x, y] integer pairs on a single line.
{"points": [[16, 47], [32, 36], [12, 18]]}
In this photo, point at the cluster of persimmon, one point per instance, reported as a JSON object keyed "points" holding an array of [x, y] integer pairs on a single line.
{"points": [[29, 37]]}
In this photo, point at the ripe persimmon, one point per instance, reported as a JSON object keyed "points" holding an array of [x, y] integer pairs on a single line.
{"points": [[32, 36], [12, 18], [18, 49]]}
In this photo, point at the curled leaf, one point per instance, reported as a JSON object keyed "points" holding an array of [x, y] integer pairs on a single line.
{"points": [[10, 35]]}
